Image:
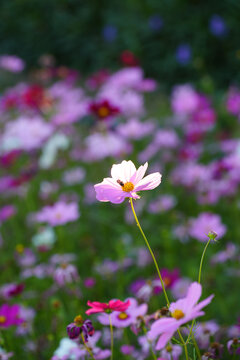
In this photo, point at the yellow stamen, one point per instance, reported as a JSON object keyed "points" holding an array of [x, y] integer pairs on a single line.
{"points": [[2, 319], [167, 281], [169, 348], [123, 316], [103, 111], [178, 314], [128, 186], [78, 320], [19, 248]]}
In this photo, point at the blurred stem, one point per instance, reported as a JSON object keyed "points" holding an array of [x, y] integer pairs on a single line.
{"points": [[197, 348], [151, 252], [86, 347], [184, 344], [158, 271], [111, 331]]}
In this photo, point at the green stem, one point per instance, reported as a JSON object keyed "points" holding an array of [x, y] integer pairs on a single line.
{"points": [[151, 252], [87, 348], [111, 331], [197, 348], [201, 262], [199, 281], [184, 344], [158, 271]]}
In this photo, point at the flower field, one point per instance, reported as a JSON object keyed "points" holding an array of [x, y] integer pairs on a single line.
{"points": [[119, 216]]}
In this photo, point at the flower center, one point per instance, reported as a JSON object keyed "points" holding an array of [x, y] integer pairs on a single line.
{"points": [[2, 319], [128, 186], [103, 111], [169, 348], [123, 316], [178, 314], [167, 281], [78, 320], [20, 248]]}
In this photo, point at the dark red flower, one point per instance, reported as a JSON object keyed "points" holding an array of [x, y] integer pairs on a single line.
{"points": [[103, 109], [128, 58]]}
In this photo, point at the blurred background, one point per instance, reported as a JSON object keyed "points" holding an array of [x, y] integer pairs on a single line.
{"points": [[173, 40]]}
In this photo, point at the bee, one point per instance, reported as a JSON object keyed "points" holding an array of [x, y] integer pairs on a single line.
{"points": [[120, 182]]}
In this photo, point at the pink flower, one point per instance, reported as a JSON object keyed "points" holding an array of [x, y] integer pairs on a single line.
{"points": [[9, 315], [182, 311], [6, 212], [11, 63], [58, 214], [113, 305], [204, 223], [125, 182]]}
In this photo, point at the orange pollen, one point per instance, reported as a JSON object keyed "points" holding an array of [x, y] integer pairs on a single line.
{"points": [[123, 316], [2, 319], [178, 314], [78, 320], [64, 265], [128, 186], [103, 111], [167, 281]]}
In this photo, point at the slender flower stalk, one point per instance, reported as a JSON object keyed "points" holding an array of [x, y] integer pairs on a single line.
{"points": [[211, 236], [111, 331], [202, 258], [151, 252], [86, 347], [158, 271]]}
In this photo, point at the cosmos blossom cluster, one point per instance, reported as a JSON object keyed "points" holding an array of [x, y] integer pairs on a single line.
{"points": [[79, 279]]}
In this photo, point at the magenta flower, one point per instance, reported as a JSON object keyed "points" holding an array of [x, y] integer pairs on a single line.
{"points": [[113, 305], [58, 214], [9, 315], [125, 182], [125, 318], [182, 311]]}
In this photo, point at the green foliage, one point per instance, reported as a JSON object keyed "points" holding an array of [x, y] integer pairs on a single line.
{"points": [[72, 30]]}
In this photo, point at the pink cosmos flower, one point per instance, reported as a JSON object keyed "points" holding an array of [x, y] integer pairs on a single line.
{"points": [[204, 223], [125, 318], [113, 305], [9, 315], [58, 214], [12, 63], [125, 182], [182, 311]]}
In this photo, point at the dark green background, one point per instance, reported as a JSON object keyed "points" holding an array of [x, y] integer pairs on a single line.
{"points": [[71, 30]]}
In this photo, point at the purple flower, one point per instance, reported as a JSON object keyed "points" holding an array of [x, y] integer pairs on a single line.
{"points": [[183, 54], [6, 212], [9, 315], [171, 352], [58, 214], [11, 63], [109, 33], [80, 326], [217, 26], [65, 274], [155, 22], [204, 223]]}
